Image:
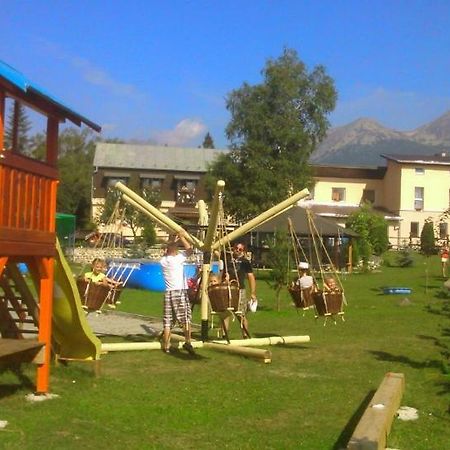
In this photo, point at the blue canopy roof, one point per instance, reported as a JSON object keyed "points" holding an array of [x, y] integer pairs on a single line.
{"points": [[21, 82]]}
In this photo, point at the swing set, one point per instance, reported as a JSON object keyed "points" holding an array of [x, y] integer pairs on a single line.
{"points": [[324, 294], [96, 295]]}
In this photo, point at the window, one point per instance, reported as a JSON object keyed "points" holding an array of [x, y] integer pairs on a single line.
{"points": [[111, 181], [186, 191], [368, 196], [418, 198], [414, 230], [443, 230], [338, 194], [152, 183], [420, 171]]}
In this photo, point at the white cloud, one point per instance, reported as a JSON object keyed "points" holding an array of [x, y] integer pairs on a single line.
{"points": [[400, 110], [90, 72], [184, 133], [97, 76]]}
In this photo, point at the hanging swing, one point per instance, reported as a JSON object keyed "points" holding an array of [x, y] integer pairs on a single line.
{"points": [[94, 296], [330, 300], [224, 294], [301, 293]]}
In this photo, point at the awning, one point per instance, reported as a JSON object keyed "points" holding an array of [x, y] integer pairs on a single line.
{"points": [[187, 177], [153, 176], [117, 174]]}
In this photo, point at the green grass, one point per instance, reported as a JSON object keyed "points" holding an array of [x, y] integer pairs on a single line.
{"points": [[309, 397]]}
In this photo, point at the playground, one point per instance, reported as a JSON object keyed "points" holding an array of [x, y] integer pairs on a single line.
{"points": [[309, 392], [311, 396]]}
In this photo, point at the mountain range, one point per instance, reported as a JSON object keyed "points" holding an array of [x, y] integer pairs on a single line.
{"points": [[360, 143]]}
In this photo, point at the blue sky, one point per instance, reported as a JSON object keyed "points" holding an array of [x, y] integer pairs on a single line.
{"points": [[160, 70]]}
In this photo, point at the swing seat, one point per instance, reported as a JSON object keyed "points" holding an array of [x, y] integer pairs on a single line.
{"points": [[94, 296], [224, 297], [193, 291], [302, 298], [328, 303], [193, 296], [115, 293]]}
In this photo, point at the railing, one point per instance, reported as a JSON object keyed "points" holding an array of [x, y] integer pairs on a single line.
{"points": [[185, 197], [27, 193]]}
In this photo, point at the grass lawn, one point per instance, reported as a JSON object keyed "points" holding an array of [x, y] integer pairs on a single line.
{"points": [[310, 397]]}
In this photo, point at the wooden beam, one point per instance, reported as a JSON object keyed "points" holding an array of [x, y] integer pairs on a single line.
{"points": [[52, 141], [2, 121], [270, 340], [375, 424], [257, 353], [27, 350]]}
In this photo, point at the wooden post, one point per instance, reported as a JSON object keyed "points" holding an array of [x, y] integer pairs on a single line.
{"points": [[15, 128], [375, 424], [214, 217], [52, 141], [46, 269], [2, 121]]}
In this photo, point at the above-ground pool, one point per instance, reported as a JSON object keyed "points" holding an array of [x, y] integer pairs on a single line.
{"points": [[146, 274]]}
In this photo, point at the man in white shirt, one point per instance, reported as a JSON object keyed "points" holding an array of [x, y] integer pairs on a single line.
{"points": [[176, 302]]}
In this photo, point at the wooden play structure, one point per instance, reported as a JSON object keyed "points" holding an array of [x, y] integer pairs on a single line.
{"points": [[212, 242], [27, 227]]}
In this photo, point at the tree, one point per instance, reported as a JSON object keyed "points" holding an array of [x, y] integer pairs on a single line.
{"points": [[208, 141], [76, 155], [427, 239], [274, 128], [19, 116], [135, 220], [278, 259], [372, 230], [427, 245]]}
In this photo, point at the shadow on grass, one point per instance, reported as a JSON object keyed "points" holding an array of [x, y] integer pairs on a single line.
{"points": [[349, 428], [128, 337], [23, 381], [384, 356], [183, 355]]}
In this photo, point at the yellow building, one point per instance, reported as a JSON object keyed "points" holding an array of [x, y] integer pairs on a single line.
{"points": [[409, 190]]}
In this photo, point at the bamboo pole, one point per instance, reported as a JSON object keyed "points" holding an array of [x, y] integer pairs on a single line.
{"points": [[264, 355], [140, 208], [155, 213], [260, 219], [271, 340], [204, 305], [202, 213], [131, 346], [214, 215]]}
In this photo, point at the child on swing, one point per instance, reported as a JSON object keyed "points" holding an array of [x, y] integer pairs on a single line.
{"points": [[97, 274]]}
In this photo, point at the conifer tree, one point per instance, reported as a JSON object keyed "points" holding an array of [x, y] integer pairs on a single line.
{"points": [[208, 141], [18, 115]]}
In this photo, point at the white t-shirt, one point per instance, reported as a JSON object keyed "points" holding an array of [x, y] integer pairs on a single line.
{"points": [[173, 273], [306, 281]]}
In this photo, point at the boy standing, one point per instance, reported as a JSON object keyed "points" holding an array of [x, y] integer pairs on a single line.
{"points": [[176, 302]]}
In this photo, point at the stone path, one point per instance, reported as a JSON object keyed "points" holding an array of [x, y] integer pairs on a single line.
{"points": [[119, 323]]}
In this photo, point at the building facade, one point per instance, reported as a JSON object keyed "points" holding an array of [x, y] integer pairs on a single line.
{"points": [[408, 191]]}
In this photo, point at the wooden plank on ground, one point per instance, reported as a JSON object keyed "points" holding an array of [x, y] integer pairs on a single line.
{"points": [[375, 424]]}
